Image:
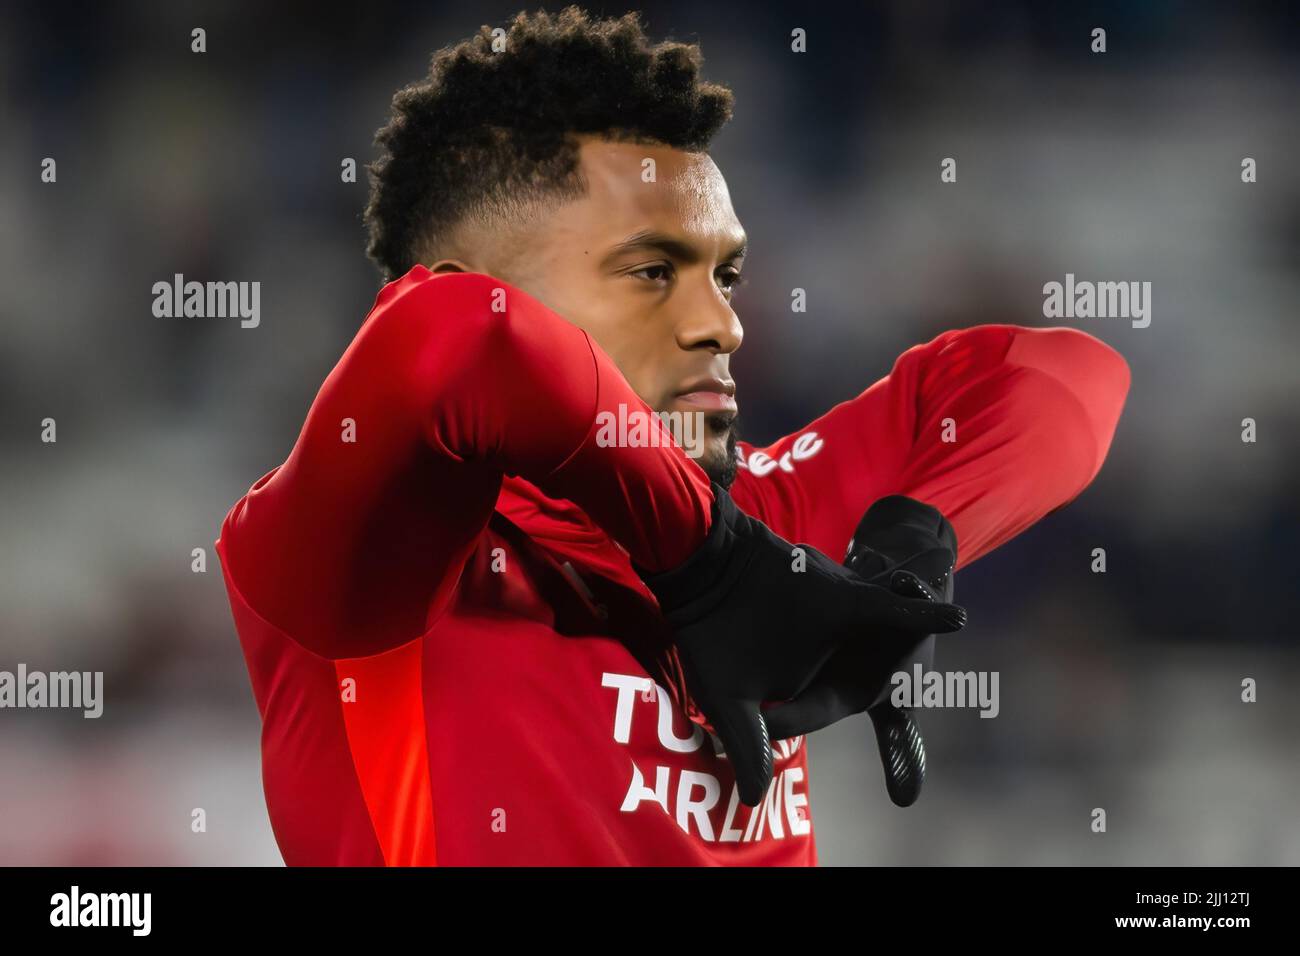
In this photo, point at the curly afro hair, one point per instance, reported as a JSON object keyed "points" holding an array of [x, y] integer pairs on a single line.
{"points": [[489, 132]]}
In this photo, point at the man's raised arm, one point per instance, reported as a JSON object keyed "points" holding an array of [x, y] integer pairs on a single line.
{"points": [[996, 426], [354, 545]]}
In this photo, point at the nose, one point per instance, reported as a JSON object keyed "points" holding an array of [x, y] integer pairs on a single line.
{"points": [[707, 321]]}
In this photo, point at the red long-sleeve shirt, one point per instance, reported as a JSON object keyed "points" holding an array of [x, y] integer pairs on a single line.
{"points": [[435, 596]]}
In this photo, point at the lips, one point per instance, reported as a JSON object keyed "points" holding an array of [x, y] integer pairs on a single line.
{"points": [[711, 401], [708, 394]]}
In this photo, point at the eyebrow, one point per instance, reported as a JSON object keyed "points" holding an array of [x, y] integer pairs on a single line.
{"points": [[670, 246]]}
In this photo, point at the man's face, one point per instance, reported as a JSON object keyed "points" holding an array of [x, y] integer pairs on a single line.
{"points": [[647, 269]]}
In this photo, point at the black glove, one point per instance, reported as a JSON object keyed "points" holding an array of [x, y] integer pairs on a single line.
{"points": [[913, 548], [749, 627]]}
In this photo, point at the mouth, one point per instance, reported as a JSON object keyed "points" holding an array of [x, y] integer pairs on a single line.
{"points": [[707, 395]]}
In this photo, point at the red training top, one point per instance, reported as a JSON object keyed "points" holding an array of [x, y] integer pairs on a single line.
{"points": [[436, 601]]}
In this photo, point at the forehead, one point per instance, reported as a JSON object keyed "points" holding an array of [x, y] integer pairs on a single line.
{"points": [[687, 195]]}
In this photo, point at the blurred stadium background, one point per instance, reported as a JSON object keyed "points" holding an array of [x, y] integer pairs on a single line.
{"points": [[1119, 690]]}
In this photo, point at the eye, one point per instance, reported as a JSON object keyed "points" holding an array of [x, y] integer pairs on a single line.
{"points": [[730, 279], [656, 272]]}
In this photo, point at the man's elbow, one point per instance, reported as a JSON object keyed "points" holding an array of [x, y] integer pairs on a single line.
{"points": [[1094, 374]]}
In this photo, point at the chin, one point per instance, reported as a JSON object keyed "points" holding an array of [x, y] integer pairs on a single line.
{"points": [[719, 458]]}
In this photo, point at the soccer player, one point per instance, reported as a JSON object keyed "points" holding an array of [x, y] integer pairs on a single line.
{"points": [[455, 601]]}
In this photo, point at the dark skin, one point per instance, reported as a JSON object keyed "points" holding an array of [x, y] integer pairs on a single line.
{"points": [[647, 269]]}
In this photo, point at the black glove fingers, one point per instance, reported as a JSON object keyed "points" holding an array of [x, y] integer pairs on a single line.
{"points": [[906, 584], [743, 731], [810, 711], [880, 606], [902, 752]]}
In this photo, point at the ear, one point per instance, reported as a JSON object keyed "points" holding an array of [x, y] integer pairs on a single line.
{"points": [[449, 265]]}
